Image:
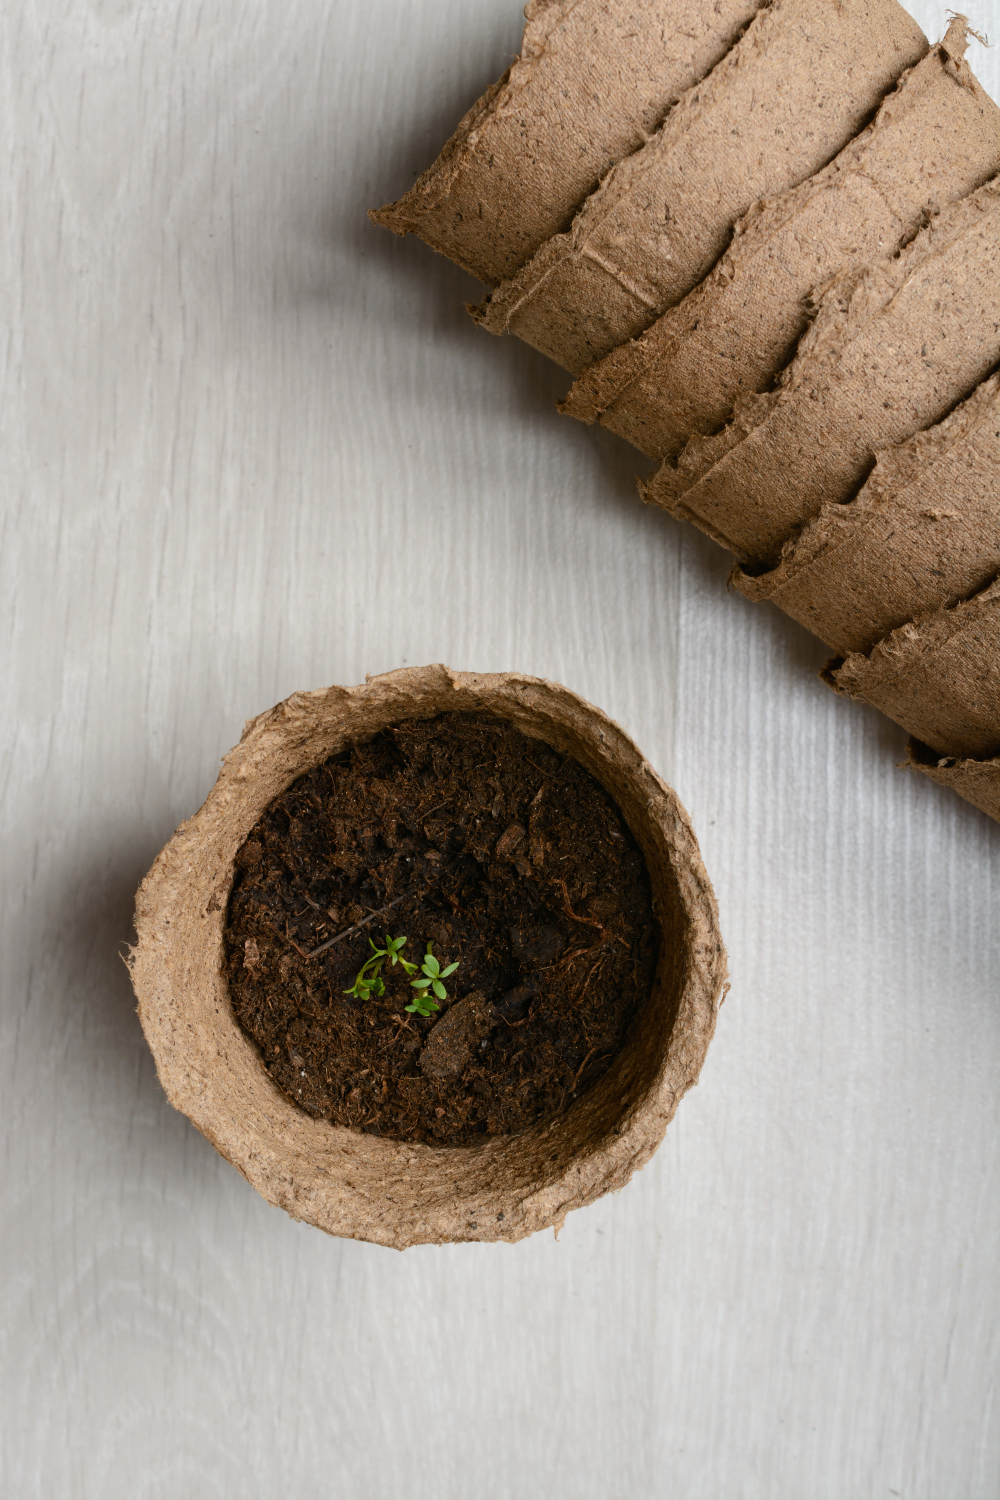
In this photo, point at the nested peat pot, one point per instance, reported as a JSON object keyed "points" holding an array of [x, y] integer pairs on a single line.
{"points": [[462, 1127]]}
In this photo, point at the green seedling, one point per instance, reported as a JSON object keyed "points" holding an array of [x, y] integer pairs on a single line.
{"points": [[431, 983], [369, 980], [393, 951]]}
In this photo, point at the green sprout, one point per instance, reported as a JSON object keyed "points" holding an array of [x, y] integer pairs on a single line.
{"points": [[369, 980], [430, 984]]}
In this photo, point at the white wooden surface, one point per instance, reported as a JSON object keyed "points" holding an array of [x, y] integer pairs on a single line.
{"points": [[235, 417]]}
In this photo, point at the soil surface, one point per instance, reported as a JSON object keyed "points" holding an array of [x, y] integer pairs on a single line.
{"points": [[509, 859]]}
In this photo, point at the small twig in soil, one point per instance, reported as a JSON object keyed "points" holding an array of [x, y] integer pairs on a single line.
{"points": [[402, 1024], [437, 807], [580, 1069], [287, 938], [594, 967], [347, 932], [549, 774], [570, 958], [588, 921], [356, 928], [567, 908]]}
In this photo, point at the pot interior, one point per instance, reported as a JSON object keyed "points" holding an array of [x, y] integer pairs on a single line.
{"points": [[357, 1184]]}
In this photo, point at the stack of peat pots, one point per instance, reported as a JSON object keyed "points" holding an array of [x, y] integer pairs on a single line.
{"points": [[765, 239]]}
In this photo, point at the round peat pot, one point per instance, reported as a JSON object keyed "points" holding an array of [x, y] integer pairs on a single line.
{"points": [[393, 1192]]}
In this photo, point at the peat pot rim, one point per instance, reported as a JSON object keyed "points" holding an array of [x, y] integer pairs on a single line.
{"points": [[398, 1193]]}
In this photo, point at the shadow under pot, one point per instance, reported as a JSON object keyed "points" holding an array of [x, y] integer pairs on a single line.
{"points": [[435, 961]]}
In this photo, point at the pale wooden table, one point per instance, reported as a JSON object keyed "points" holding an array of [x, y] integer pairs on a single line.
{"points": [[240, 426]]}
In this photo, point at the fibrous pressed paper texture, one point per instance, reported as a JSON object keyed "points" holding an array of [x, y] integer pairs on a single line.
{"points": [[890, 353], [401, 1193], [593, 79], [978, 781], [804, 79], [938, 677], [935, 139], [923, 532]]}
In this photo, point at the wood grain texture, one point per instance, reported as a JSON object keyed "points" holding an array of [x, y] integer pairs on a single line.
{"points": [[232, 410]]}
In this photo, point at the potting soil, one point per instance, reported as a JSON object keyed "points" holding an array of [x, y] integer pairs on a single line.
{"points": [[496, 852]]}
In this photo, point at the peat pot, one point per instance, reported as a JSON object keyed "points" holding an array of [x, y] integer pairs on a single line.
{"points": [[393, 1192]]}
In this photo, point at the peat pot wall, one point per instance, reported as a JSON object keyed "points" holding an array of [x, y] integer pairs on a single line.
{"points": [[391, 1192]]}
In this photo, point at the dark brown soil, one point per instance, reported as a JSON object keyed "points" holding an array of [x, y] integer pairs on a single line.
{"points": [[504, 854]]}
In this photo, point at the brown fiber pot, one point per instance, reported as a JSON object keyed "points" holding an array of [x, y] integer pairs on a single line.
{"points": [[391, 1192]]}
